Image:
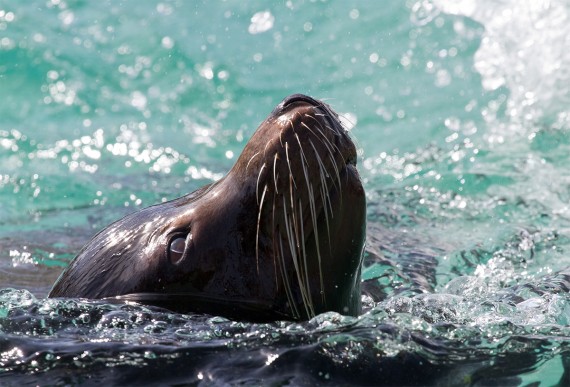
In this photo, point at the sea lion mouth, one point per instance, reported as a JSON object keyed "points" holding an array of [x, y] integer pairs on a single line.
{"points": [[232, 307]]}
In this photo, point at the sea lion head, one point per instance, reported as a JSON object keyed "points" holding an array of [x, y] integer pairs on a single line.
{"points": [[280, 236]]}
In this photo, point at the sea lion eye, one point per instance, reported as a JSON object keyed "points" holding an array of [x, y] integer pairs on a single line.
{"points": [[176, 248]]}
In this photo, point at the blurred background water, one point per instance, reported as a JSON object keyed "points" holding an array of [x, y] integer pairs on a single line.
{"points": [[460, 110]]}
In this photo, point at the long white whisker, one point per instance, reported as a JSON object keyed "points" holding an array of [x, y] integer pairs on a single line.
{"points": [[300, 241], [322, 168], [295, 259], [304, 255], [328, 206], [335, 167], [321, 136], [257, 185], [274, 232], [252, 157], [324, 190], [289, 163], [319, 127], [313, 210], [316, 233], [266, 146], [329, 145], [287, 283], [334, 132], [275, 172], [258, 225]]}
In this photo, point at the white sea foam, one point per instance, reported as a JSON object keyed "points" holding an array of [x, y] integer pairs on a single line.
{"points": [[525, 49]]}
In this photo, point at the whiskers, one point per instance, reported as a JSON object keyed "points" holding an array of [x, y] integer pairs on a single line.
{"points": [[258, 227], [298, 207]]}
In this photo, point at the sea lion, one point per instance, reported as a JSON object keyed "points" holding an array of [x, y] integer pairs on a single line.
{"points": [[281, 236]]}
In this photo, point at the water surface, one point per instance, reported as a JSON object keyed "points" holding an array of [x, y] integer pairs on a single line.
{"points": [[460, 112]]}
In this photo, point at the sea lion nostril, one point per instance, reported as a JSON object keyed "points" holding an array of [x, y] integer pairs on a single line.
{"points": [[298, 98]]}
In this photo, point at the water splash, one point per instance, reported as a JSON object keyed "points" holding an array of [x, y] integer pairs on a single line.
{"points": [[261, 22], [524, 48]]}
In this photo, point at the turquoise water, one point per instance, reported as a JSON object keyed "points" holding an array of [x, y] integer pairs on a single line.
{"points": [[460, 110]]}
